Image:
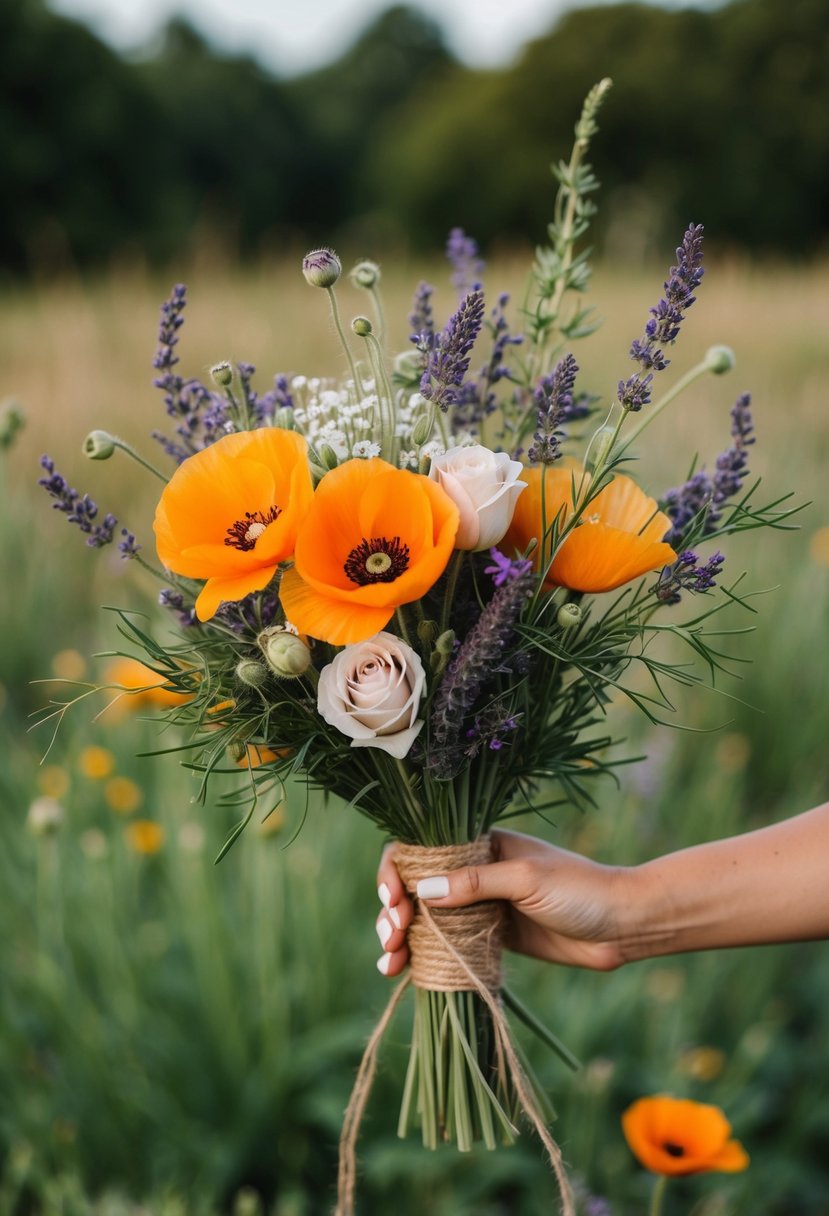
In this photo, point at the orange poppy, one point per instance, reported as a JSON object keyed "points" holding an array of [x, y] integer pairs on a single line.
{"points": [[375, 537], [230, 513], [675, 1136], [618, 538]]}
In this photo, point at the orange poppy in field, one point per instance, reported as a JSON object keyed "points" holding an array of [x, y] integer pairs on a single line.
{"points": [[675, 1136], [144, 687], [618, 539], [230, 513], [375, 537]]}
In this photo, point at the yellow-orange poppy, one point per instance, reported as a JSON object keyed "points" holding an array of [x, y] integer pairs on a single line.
{"points": [[375, 537], [618, 539], [675, 1136], [144, 686], [230, 513], [145, 836]]}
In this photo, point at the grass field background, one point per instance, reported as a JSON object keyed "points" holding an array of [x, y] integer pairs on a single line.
{"points": [[180, 1039]]}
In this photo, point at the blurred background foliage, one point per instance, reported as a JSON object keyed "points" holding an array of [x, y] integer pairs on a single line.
{"points": [[718, 115]]}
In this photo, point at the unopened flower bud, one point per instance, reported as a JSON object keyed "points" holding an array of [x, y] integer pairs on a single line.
{"points": [[321, 267], [361, 326], [222, 374], [599, 448], [98, 445], [365, 274], [569, 615], [328, 456], [719, 359], [286, 654], [284, 418], [251, 672], [422, 429]]}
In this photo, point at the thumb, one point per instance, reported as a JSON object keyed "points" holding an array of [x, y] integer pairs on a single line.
{"points": [[508, 880]]}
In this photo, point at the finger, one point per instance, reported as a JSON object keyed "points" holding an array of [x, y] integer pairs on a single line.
{"points": [[391, 925], [392, 964], [390, 889], [511, 880]]}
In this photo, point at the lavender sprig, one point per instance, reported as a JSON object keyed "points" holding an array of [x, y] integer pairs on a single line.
{"points": [[79, 509], [476, 399], [703, 492], [422, 319], [478, 658], [467, 266], [554, 398], [449, 359], [686, 574], [666, 318]]}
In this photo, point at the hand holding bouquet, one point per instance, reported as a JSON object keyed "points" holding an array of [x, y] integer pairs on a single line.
{"points": [[418, 588]]}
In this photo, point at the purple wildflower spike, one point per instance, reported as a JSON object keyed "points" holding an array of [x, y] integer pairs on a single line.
{"points": [[80, 510], [686, 574], [422, 319], [449, 360], [467, 266], [505, 569], [554, 398], [666, 318]]}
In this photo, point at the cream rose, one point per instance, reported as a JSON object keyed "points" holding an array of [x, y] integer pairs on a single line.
{"points": [[484, 486], [371, 691]]}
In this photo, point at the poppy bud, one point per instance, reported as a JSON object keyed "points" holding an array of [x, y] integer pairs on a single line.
{"points": [[361, 326], [251, 672], [365, 274], [222, 374], [422, 429], [719, 359], [569, 615], [599, 448], [328, 456], [286, 654], [321, 268], [98, 445]]}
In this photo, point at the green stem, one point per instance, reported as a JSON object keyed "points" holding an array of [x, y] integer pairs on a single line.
{"points": [[335, 313], [648, 417], [378, 311], [451, 583], [657, 1195], [125, 447]]}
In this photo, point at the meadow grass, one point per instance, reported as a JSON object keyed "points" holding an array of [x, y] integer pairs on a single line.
{"points": [[180, 1039]]}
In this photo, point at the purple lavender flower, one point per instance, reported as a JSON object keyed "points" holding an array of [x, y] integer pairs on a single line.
{"points": [[278, 398], [80, 510], [666, 318], [686, 574], [467, 267], [554, 398], [174, 600], [706, 493], [449, 359], [505, 569], [422, 319], [128, 547], [477, 659], [476, 398]]}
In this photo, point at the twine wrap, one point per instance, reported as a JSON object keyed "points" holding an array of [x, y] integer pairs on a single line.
{"points": [[474, 932], [457, 974]]}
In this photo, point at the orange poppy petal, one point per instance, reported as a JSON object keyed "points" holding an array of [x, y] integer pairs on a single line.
{"points": [[595, 557], [625, 505], [732, 1159], [674, 1136], [337, 621], [217, 591]]}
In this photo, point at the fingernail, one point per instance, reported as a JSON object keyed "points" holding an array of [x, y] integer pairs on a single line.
{"points": [[383, 964], [433, 888], [394, 917], [384, 930], [384, 895]]}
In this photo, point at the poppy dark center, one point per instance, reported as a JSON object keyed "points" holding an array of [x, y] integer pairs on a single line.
{"points": [[378, 560], [246, 532], [673, 1150]]}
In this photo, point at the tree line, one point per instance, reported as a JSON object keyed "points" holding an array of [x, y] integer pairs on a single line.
{"points": [[716, 116]]}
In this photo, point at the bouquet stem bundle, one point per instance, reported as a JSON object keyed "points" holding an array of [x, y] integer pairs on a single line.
{"points": [[466, 1077]]}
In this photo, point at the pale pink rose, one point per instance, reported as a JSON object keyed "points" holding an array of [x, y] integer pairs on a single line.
{"points": [[484, 486], [371, 692]]}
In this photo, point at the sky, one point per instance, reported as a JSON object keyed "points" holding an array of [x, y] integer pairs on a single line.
{"points": [[293, 36]]}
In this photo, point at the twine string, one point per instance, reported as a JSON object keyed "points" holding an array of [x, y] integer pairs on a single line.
{"points": [[449, 953]]}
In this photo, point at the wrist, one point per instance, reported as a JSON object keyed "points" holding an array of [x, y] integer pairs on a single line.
{"points": [[645, 913]]}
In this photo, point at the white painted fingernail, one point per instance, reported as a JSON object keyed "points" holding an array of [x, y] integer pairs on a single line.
{"points": [[394, 917], [384, 930], [383, 964], [384, 895], [433, 888]]}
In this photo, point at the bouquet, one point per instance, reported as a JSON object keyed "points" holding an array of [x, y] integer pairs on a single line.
{"points": [[418, 588]]}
